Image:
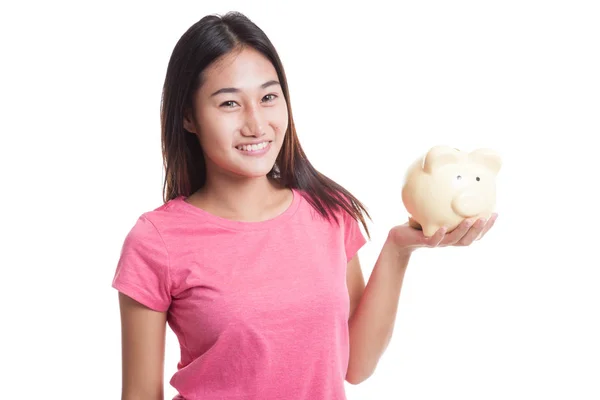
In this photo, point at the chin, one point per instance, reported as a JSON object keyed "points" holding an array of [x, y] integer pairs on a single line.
{"points": [[251, 167], [255, 172], [251, 171]]}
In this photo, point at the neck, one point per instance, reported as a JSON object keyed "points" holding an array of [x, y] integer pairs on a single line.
{"points": [[244, 199]]}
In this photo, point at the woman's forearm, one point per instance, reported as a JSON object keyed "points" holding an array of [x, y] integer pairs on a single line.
{"points": [[372, 323]]}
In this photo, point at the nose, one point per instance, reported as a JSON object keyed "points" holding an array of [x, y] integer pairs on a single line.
{"points": [[471, 202], [466, 204], [254, 124]]}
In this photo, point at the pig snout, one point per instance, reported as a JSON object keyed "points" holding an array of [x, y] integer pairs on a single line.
{"points": [[468, 204]]}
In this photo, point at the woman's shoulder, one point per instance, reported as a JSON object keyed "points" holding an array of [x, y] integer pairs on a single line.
{"points": [[162, 218], [172, 208]]}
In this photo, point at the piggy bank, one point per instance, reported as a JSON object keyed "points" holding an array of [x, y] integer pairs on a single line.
{"points": [[447, 185]]}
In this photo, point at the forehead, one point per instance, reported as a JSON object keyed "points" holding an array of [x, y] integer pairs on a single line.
{"points": [[245, 69]]}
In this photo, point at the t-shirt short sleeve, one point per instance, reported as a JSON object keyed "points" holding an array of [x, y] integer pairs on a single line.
{"points": [[142, 271], [353, 236]]}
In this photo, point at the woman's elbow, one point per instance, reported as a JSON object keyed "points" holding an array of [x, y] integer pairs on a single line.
{"points": [[354, 377], [142, 395]]}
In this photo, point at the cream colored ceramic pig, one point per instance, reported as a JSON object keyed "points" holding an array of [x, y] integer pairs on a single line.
{"points": [[447, 185]]}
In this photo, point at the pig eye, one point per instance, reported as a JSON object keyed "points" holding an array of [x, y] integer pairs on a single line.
{"points": [[458, 178], [477, 179]]}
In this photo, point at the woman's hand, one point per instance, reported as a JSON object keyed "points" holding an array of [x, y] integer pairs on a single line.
{"points": [[407, 238]]}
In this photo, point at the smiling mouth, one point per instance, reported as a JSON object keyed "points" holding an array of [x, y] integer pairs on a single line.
{"points": [[253, 147]]}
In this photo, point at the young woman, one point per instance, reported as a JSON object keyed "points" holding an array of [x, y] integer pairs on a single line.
{"points": [[252, 259]]}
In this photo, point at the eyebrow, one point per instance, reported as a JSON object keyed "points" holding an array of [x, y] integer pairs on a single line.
{"points": [[236, 90]]}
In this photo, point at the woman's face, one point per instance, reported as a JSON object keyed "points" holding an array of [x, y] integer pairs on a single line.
{"points": [[239, 115]]}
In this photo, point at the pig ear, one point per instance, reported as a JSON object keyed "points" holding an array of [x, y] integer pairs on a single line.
{"points": [[487, 157], [438, 156]]}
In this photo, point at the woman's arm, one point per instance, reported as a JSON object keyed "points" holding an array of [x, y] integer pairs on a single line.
{"points": [[374, 310], [143, 349]]}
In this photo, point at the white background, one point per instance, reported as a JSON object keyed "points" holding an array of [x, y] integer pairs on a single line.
{"points": [[515, 316]]}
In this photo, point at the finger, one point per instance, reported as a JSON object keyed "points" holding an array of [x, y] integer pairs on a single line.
{"points": [[458, 233], [488, 226], [473, 233]]}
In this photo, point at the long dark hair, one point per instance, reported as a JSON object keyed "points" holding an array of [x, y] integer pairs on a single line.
{"points": [[204, 42]]}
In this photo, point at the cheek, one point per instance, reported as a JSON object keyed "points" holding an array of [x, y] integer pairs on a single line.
{"points": [[279, 120], [216, 132]]}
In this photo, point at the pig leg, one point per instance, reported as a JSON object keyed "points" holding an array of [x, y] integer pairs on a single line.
{"points": [[430, 230], [414, 224]]}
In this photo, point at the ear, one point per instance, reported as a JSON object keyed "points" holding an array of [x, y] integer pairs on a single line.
{"points": [[438, 156], [188, 121], [487, 157]]}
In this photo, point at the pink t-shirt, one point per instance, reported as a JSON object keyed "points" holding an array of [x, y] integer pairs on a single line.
{"points": [[260, 309]]}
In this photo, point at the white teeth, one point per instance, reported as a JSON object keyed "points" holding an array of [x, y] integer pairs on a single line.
{"points": [[253, 147]]}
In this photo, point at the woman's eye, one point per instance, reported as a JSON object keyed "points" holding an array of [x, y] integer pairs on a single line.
{"points": [[228, 104], [270, 97]]}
